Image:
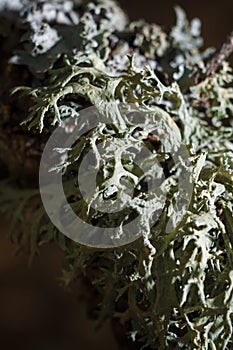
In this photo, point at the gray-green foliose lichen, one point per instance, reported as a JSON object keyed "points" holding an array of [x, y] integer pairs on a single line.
{"points": [[178, 287]]}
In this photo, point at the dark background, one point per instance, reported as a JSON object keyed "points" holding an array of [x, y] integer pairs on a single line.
{"points": [[35, 312]]}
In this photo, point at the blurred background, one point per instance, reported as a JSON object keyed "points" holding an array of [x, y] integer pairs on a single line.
{"points": [[216, 16], [35, 312]]}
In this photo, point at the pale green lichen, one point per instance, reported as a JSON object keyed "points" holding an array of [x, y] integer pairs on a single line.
{"points": [[178, 285]]}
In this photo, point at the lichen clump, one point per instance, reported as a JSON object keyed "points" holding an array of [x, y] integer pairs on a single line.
{"points": [[177, 286]]}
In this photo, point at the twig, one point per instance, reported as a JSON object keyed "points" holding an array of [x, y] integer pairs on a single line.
{"points": [[225, 51]]}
